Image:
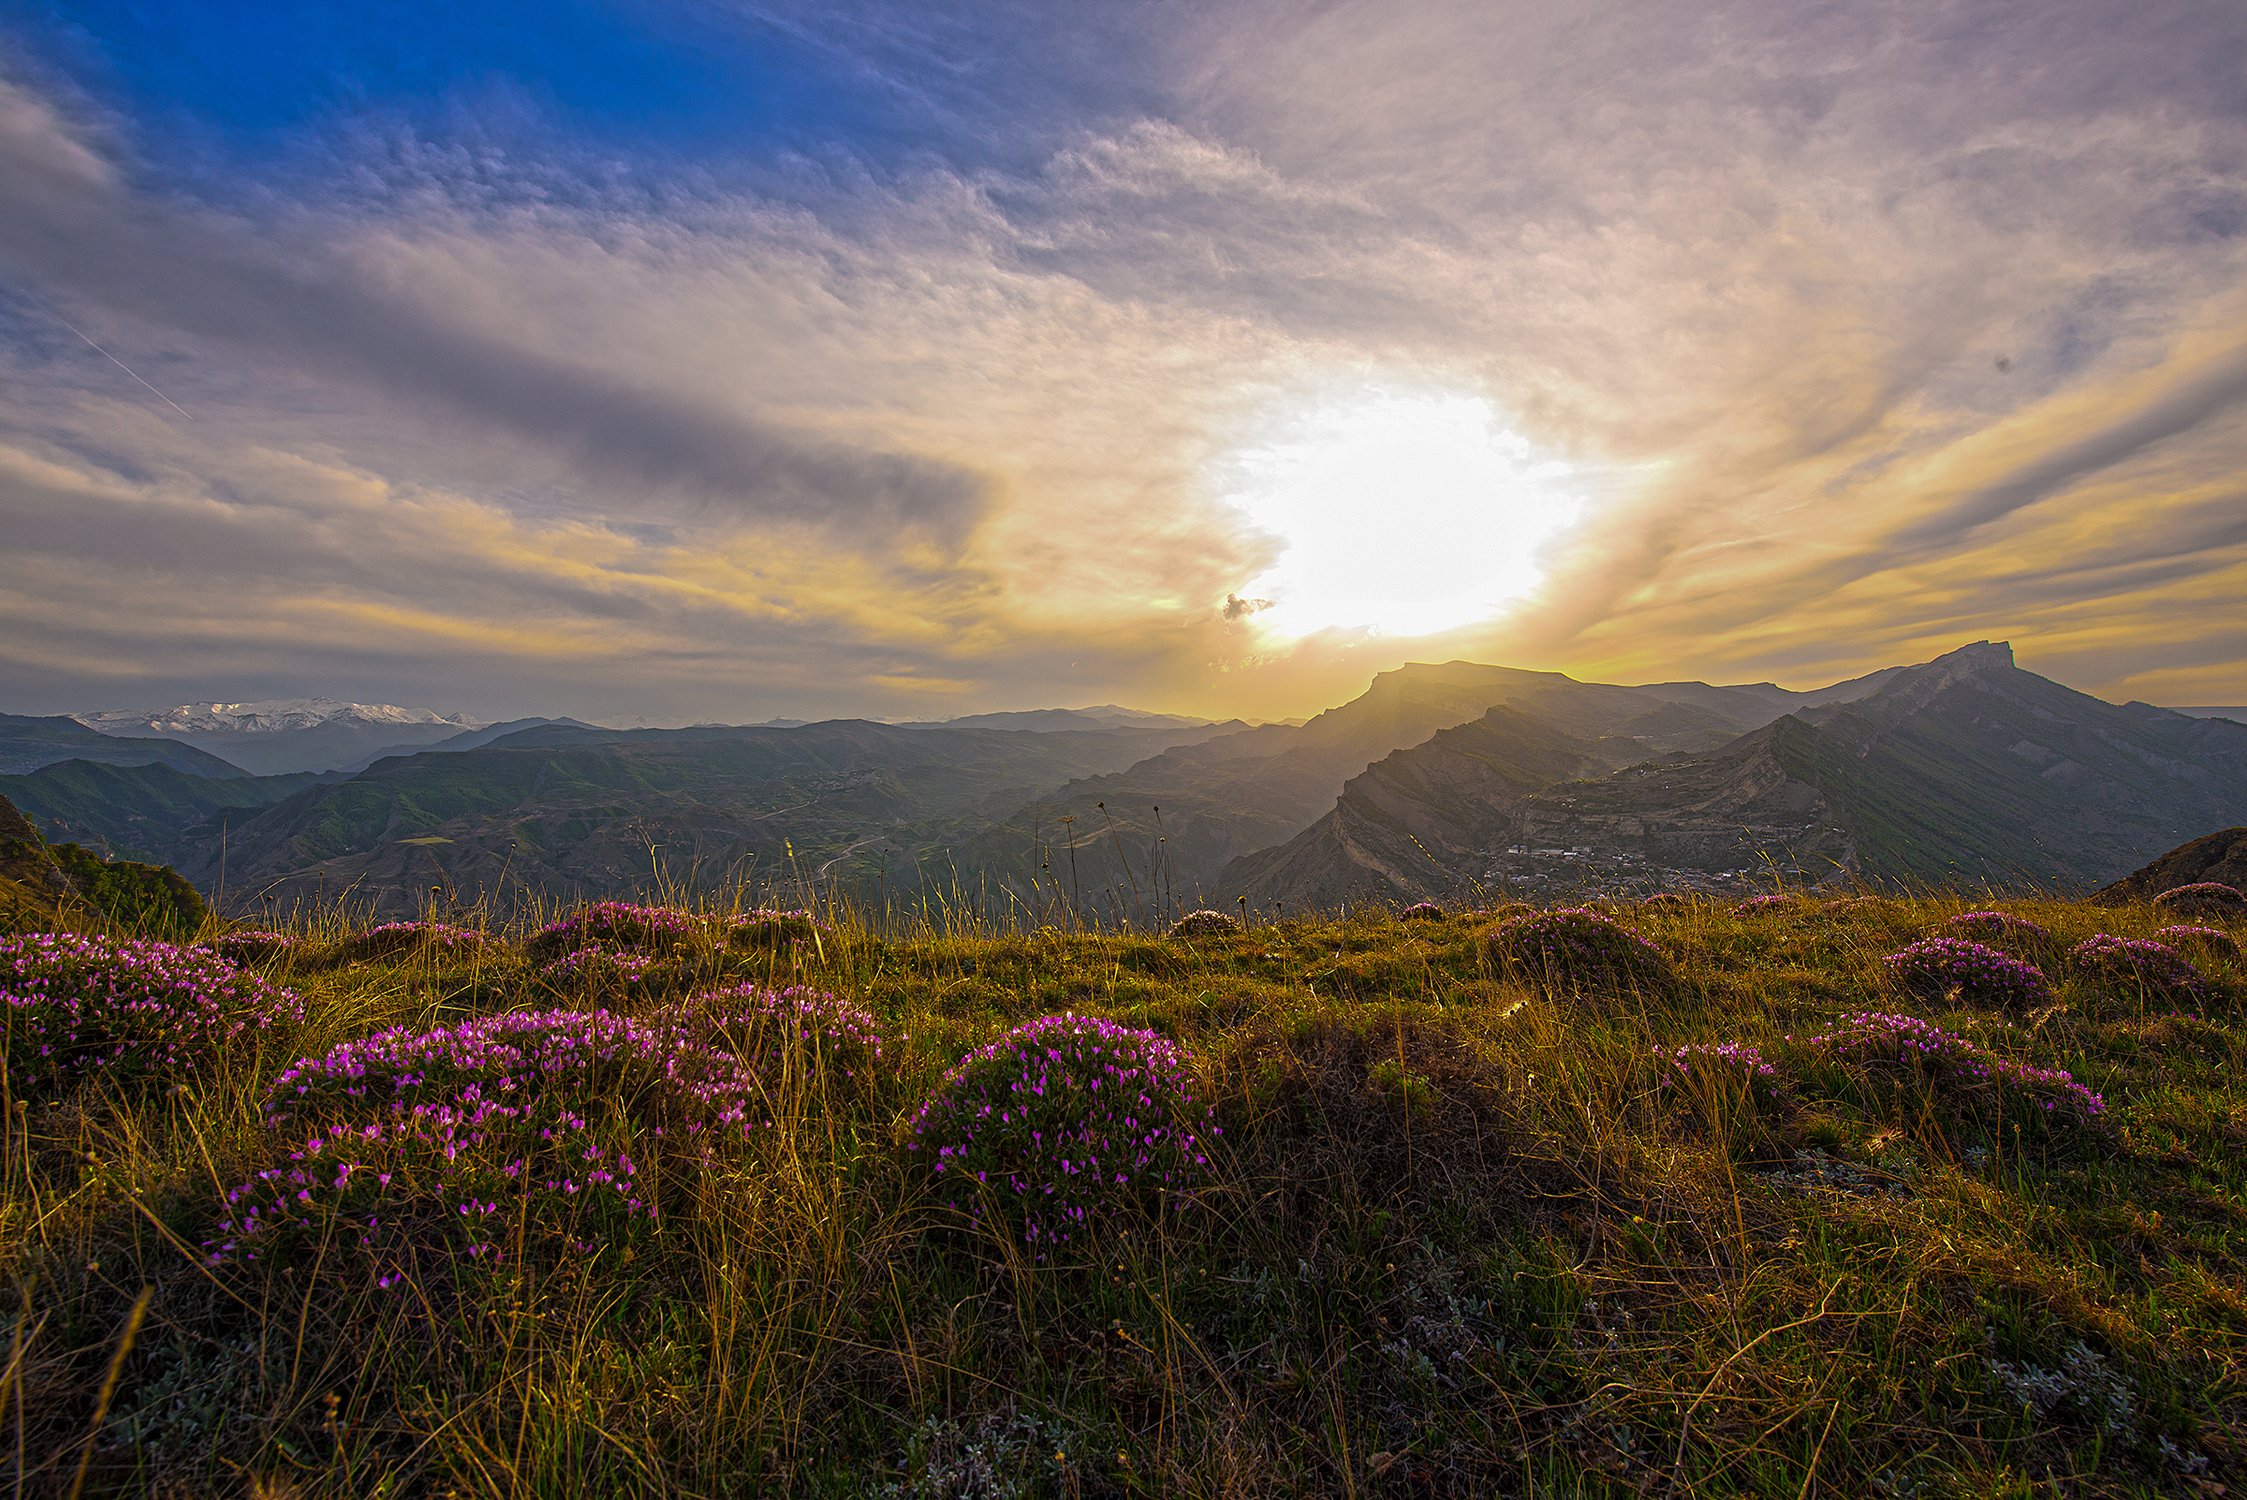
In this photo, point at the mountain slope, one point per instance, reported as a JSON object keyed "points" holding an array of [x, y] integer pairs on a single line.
{"points": [[45, 886], [150, 812], [1965, 768], [558, 813], [1163, 832], [28, 743]]}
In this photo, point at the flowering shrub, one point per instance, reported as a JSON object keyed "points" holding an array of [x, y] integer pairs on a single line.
{"points": [[2138, 966], [1421, 911], [600, 969], [1949, 968], [1905, 1048], [2203, 898], [613, 924], [748, 1018], [1575, 948], [405, 937], [655, 1067], [2209, 940], [1666, 899], [74, 1004], [1067, 1121], [551, 1129], [1758, 905], [1201, 923], [443, 1185], [250, 946], [770, 928], [2005, 932]]}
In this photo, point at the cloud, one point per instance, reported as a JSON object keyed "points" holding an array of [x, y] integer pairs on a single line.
{"points": [[305, 304], [1876, 327]]}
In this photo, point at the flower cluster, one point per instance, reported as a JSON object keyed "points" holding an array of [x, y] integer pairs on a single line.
{"points": [[1204, 922], [1421, 911], [747, 1018], [250, 945], [1575, 948], [1735, 1065], [769, 927], [604, 969], [2005, 932], [1062, 1123], [418, 1191], [406, 937], [615, 924], [74, 1003], [2141, 966], [1885, 1042], [551, 1129], [1776, 902], [2204, 897], [2210, 940], [1965, 972], [1670, 899], [655, 1064]]}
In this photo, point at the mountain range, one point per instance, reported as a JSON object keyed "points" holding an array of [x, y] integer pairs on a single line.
{"points": [[280, 735], [1452, 781]]}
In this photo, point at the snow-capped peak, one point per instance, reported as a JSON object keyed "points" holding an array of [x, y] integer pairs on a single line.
{"points": [[269, 715]]}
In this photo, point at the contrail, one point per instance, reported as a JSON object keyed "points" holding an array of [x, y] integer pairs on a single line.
{"points": [[120, 364]]}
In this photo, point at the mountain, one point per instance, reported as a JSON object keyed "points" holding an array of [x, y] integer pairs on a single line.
{"points": [[2221, 857], [282, 735], [558, 812], [1105, 716], [1162, 833], [471, 739], [2236, 715], [45, 885], [1965, 769], [27, 743], [152, 812]]}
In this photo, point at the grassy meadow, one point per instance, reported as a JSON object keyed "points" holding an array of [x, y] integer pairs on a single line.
{"points": [[1462, 1223]]}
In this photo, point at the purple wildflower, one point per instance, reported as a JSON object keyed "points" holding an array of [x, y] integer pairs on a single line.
{"points": [[2212, 941], [614, 924], [1889, 1044], [73, 1004], [1067, 1121], [1421, 911], [1967, 973], [2138, 966], [408, 937], [2005, 932]]}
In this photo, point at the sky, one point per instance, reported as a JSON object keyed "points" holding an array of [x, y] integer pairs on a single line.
{"points": [[716, 361]]}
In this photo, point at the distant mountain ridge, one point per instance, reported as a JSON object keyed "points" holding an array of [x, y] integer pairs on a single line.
{"points": [[27, 743], [1453, 780], [277, 736], [1963, 769]]}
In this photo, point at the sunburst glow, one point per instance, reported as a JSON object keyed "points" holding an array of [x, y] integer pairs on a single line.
{"points": [[1403, 513]]}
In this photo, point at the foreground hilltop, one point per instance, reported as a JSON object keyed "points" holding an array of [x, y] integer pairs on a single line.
{"points": [[1793, 1196]]}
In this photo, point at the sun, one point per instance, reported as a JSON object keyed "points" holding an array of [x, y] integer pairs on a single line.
{"points": [[1402, 513]]}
